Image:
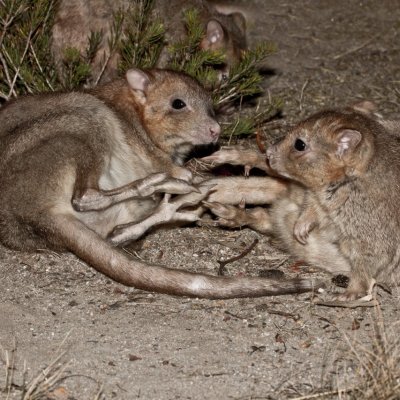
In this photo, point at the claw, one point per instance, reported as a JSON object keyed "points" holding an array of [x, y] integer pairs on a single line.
{"points": [[175, 186], [191, 199]]}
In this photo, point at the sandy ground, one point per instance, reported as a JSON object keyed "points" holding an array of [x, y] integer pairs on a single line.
{"points": [[149, 346]]}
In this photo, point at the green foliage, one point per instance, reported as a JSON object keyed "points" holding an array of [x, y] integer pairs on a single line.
{"points": [[186, 55], [143, 37], [244, 79], [27, 66], [76, 69], [244, 125], [25, 60]]}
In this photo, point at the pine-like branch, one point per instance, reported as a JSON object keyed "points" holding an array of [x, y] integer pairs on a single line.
{"points": [[27, 66]]}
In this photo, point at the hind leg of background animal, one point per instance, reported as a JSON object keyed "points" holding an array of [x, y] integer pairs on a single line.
{"points": [[237, 155], [235, 217], [168, 211], [92, 198]]}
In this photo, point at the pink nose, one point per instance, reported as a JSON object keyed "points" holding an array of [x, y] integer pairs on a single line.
{"points": [[215, 130]]}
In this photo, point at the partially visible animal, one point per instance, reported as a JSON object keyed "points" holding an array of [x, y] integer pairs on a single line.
{"points": [[336, 206], [76, 19], [85, 172]]}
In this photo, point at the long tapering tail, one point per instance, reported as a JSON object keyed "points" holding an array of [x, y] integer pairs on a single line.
{"points": [[111, 262]]}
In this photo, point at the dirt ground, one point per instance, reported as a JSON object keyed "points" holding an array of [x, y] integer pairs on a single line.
{"points": [[149, 346]]}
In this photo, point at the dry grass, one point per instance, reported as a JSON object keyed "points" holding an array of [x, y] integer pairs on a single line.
{"points": [[45, 385], [376, 367]]}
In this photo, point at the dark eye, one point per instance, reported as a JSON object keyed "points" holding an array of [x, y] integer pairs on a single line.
{"points": [[178, 104], [299, 145]]}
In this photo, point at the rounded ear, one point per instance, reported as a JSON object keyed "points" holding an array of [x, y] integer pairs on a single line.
{"points": [[368, 108], [365, 106], [138, 81], [215, 32], [347, 140]]}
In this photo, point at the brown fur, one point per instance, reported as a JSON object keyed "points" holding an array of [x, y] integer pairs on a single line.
{"points": [[78, 167], [340, 207]]}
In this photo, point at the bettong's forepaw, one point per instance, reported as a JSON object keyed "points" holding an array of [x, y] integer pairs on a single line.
{"points": [[228, 216], [235, 155]]}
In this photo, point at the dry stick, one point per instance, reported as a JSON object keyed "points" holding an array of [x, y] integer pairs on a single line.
{"points": [[294, 317], [355, 49], [10, 368], [17, 74], [103, 68], [349, 304], [40, 67], [8, 78], [47, 377], [324, 394], [7, 23], [302, 94], [222, 263]]}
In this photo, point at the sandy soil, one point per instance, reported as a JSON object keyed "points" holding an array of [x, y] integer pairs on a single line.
{"points": [[149, 346]]}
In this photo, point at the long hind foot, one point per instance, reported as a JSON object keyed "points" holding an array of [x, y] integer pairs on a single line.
{"points": [[168, 211], [92, 200]]}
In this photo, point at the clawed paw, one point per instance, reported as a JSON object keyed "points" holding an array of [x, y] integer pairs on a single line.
{"points": [[226, 155], [160, 183], [118, 235], [235, 156], [228, 216]]}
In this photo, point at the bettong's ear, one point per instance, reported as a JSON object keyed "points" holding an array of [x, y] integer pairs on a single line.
{"points": [[368, 108], [365, 106], [347, 140], [215, 32], [138, 82]]}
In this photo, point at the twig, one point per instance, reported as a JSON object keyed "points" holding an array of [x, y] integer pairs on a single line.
{"points": [[16, 69], [40, 67], [294, 317], [8, 21], [103, 68], [302, 94], [47, 378], [17, 74], [355, 49], [350, 304], [8, 77], [233, 130], [323, 394], [222, 263]]}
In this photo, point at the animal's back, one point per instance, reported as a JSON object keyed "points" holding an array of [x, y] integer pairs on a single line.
{"points": [[42, 142]]}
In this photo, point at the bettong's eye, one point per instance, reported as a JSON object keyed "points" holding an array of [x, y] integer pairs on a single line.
{"points": [[299, 145], [177, 104]]}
